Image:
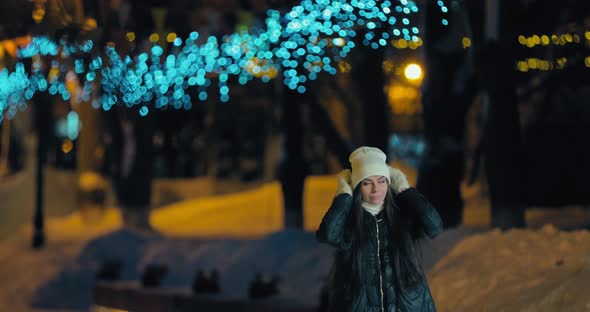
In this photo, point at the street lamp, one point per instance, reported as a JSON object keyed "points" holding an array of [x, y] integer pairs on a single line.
{"points": [[413, 72]]}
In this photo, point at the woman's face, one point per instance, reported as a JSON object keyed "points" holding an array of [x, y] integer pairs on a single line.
{"points": [[374, 189]]}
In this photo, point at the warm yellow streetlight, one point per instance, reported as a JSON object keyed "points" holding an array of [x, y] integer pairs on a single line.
{"points": [[413, 72]]}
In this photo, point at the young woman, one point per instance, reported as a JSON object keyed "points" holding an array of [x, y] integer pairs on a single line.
{"points": [[374, 221]]}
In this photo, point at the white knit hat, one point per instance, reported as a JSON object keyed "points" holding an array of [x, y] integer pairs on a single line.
{"points": [[367, 161]]}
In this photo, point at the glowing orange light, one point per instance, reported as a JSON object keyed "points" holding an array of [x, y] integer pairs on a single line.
{"points": [[532, 63], [154, 37], [467, 42], [67, 146], [344, 67], [171, 37], [402, 43], [89, 24], [413, 71], [530, 42], [130, 36]]}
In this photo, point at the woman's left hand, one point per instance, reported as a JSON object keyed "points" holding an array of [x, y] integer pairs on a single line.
{"points": [[398, 179]]}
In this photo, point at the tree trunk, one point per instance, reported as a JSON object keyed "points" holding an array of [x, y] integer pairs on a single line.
{"points": [[293, 168], [88, 140], [447, 96], [91, 187], [4, 145], [334, 140], [132, 167], [44, 124], [368, 79], [502, 146]]}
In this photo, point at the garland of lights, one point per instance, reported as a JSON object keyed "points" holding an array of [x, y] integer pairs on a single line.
{"points": [[302, 43]]}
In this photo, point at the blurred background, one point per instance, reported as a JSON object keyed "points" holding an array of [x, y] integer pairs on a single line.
{"points": [[484, 106]]}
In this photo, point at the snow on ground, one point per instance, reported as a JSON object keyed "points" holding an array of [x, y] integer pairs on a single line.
{"points": [[67, 270], [537, 269], [23, 271], [515, 270], [61, 275]]}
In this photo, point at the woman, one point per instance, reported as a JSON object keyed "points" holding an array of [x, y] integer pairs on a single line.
{"points": [[374, 221]]}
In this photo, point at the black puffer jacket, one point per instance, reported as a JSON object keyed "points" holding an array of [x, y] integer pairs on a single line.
{"points": [[378, 292]]}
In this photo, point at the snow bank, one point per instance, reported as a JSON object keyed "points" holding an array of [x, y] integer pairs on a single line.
{"points": [[516, 270]]}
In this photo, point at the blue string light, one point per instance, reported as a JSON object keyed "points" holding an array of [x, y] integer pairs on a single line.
{"points": [[301, 44]]}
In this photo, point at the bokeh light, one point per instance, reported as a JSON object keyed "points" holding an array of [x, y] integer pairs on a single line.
{"points": [[413, 72], [313, 37]]}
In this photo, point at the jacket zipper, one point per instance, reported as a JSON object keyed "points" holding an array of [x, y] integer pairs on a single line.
{"points": [[379, 262]]}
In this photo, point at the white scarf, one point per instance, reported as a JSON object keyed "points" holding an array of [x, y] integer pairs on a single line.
{"points": [[372, 209]]}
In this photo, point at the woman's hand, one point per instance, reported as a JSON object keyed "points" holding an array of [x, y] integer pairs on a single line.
{"points": [[399, 182], [344, 183]]}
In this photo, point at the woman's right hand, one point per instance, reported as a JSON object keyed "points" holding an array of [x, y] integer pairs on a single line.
{"points": [[344, 183]]}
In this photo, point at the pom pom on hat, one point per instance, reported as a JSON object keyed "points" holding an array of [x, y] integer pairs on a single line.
{"points": [[365, 162]]}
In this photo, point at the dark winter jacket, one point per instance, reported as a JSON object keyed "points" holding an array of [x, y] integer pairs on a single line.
{"points": [[378, 291]]}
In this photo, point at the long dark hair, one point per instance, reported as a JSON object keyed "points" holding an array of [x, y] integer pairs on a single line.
{"points": [[401, 225]]}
